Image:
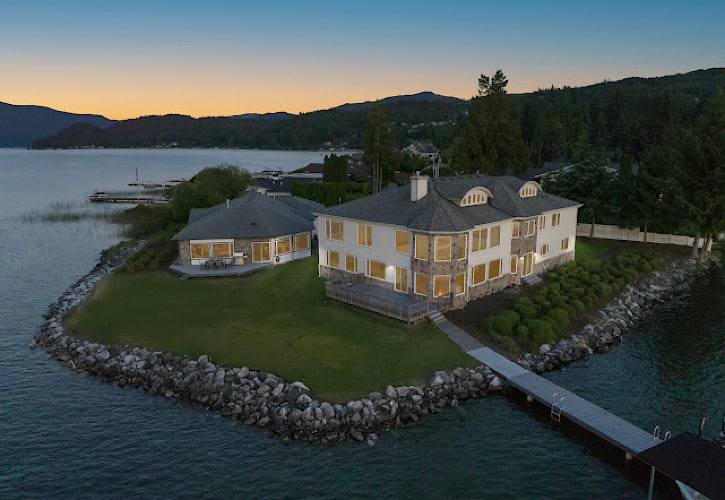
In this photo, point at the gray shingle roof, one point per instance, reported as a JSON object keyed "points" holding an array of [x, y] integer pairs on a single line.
{"points": [[436, 212], [252, 215]]}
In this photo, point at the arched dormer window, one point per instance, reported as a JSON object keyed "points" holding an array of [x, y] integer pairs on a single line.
{"points": [[529, 189], [475, 196]]}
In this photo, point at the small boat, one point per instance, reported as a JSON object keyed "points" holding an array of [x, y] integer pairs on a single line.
{"points": [[98, 196]]}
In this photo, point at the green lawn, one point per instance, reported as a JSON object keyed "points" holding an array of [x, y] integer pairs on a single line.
{"points": [[588, 249], [276, 320], [596, 249]]}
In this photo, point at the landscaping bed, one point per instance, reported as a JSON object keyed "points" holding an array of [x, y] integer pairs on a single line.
{"points": [[521, 318]]}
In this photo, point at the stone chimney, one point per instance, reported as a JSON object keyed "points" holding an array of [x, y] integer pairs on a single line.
{"points": [[418, 186]]}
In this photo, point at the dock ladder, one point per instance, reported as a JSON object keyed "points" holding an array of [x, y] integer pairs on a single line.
{"points": [[557, 406]]}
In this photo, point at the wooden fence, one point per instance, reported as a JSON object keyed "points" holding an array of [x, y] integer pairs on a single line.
{"points": [[609, 232], [409, 313]]}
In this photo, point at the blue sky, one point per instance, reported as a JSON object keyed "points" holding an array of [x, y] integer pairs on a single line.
{"points": [[133, 58]]}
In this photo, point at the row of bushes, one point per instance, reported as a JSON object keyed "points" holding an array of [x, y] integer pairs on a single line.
{"points": [[566, 293]]}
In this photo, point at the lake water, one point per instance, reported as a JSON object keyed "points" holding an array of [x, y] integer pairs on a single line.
{"points": [[70, 435]]}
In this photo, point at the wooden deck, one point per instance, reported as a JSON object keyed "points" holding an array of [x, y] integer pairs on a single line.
{"points": [[589, 416], [383, 301], [201, 272]]}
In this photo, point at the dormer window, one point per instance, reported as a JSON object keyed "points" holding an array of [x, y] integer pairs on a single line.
{"points": [[529, 190], [476, 196]]}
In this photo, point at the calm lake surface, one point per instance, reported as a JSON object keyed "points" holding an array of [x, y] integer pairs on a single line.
{"points": [[69, 435]]}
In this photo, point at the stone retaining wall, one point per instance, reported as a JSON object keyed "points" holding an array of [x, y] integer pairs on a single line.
{"points": [[257, 398]]}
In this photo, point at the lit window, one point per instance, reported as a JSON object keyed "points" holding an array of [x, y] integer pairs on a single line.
{"points": [[421, 284], [402, 241], [284, 245], [530, 227], [401, 279], [260, 251], [515, 230], [460, 283], [221, 249], [544, 249], [461, 246], [302, 241], [565, 244], [421, 246], [479, 239], [200, 250], [556, 219], [479, 274], [442, 248], [333, 230], [351, 263], [495, 236], [542, 222], [333, 259], [365, 235], [376, 269], [514, 264], [494, 269], [441, 285]]}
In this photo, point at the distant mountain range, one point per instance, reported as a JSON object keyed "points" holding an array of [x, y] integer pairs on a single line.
{"points": [[21, 125], [421, 116]]}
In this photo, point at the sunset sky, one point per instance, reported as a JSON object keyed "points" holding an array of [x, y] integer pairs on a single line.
{"points": [[204, 58]]}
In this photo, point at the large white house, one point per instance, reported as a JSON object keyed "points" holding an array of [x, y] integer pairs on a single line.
{"points": [[449, 240]]}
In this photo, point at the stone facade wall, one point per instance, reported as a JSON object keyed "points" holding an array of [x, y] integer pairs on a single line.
{"points": [[242, 245], [523, 244], [184, 253], [430, 267], [542, 267], [492, 286]]}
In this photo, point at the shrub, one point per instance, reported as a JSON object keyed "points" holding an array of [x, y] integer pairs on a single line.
{"points": [[540, 331], [522, 332], [559, 317], [525, 311], [578, 305], [506, 322]]}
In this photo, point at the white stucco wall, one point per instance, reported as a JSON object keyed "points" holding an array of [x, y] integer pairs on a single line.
{"points": [[382, 248], [553, 235]]}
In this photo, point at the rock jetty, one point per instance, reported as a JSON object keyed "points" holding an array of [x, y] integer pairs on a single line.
{"points": [[257, 398], [616, 318]]}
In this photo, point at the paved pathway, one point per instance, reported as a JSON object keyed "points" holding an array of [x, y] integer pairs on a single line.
{"points": [[457, 335]]}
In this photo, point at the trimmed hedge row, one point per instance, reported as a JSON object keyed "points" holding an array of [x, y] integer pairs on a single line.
{"points": [[568, 291]]}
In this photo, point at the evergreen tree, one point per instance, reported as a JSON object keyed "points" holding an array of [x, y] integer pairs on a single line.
{"points": [[491, 137], [334, 168], [379, 150]]}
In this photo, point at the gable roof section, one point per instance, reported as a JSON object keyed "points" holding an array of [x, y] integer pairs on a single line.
{"points": [[438, 211], [252, 215]]}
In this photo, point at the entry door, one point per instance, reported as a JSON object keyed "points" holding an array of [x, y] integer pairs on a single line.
{"points": [[528, 264]]}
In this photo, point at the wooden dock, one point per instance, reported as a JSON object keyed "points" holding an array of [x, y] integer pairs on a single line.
{"points": [[563, 403]]}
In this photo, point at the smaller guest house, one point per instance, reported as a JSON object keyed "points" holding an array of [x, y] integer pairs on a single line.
{"points": [[250, 229]]}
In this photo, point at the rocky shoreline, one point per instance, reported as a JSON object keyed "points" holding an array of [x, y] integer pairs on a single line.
{"points": [[255, 397], [287, 409], [618, 317]]}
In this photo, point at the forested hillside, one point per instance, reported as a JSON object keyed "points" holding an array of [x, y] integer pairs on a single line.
{"points": [[623, 116], [420, 116]]}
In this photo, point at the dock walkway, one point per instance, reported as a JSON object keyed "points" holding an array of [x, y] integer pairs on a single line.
{"points": [[589, 416]]}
